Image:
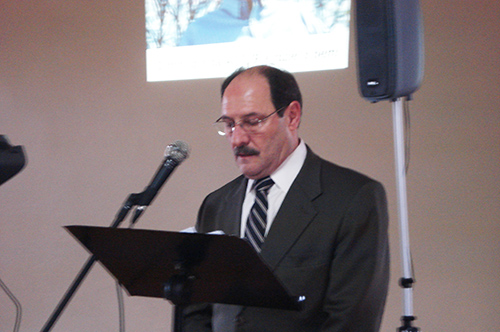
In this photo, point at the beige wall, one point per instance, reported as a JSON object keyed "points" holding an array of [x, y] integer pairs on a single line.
{"points": [[73, 92]]}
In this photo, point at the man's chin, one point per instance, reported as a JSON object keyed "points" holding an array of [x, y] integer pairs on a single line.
{"points": [[246, 166]]}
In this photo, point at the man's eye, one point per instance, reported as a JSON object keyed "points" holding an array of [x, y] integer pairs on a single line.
{"points": [[252, 121]]}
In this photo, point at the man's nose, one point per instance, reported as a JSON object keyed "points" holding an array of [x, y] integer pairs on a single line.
{"points": [[239, 136]]}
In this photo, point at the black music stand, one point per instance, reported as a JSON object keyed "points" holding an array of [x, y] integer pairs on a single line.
{"points": [[186, 268]]}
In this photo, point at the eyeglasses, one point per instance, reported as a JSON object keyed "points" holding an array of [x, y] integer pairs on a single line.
{"points": [[251, 124]]}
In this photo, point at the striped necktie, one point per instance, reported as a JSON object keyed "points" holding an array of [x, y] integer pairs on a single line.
{"points": [[257, 219]]}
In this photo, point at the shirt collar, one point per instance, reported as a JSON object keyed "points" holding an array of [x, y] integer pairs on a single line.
{"points": [[286, 173]]}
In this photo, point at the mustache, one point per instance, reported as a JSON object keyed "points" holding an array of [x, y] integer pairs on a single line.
{"points": [[245, 150]]}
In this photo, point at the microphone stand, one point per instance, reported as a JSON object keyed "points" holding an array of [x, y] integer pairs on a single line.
{"points": [[406, 282], [120, 216]]}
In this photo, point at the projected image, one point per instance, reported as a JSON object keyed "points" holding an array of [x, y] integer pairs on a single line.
{"points": [[189, 39]]}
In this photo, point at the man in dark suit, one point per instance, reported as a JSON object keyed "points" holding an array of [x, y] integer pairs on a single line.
{"points": [[326, 230]]}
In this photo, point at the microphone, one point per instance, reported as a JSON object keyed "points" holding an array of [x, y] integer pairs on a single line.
{"points": [[175, 154]]}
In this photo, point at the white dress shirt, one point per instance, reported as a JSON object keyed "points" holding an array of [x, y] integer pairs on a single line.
{"points": [[283, 178]]}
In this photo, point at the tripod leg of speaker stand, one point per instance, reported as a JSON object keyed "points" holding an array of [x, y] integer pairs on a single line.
{"points": [[400, 157]]}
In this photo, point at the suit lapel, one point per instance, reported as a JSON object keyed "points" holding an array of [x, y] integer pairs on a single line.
{"points": [[233, 203], [295, 213]]}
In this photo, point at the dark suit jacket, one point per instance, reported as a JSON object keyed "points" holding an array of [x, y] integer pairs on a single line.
{"points": [[328, 242]]}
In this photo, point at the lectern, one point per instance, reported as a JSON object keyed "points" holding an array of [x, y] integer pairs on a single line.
{"points": [[186, 268]]}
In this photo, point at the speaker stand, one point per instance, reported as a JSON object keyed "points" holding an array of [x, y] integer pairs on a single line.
{"points": [[406, 282]]}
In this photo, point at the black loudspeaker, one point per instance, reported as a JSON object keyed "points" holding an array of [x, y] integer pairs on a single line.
{"points": [[390, 48]]}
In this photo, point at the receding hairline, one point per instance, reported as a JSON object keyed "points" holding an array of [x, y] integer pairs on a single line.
{"points": [[245, 72], [282, 84]]}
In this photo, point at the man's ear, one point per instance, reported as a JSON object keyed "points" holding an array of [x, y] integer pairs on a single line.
{"points": [[294, 113]]}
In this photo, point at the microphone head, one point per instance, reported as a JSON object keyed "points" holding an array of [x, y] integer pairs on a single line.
{"points": [[178, 151]]}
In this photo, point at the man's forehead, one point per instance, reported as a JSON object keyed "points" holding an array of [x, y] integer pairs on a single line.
{"points": [[246, 90]]}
